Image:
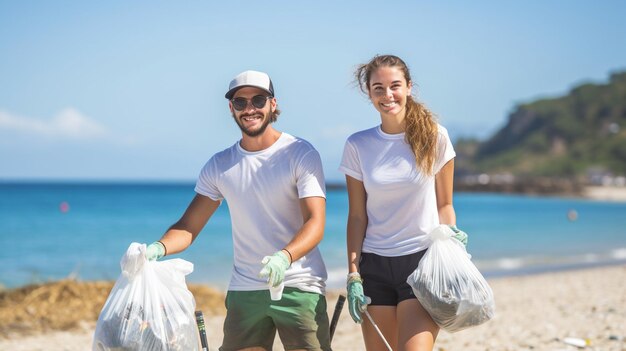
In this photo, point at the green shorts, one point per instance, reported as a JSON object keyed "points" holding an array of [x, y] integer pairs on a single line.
{"points": [[252, 319]]}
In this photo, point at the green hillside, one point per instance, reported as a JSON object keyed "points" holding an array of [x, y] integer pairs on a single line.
{"points": [[564, 136]]}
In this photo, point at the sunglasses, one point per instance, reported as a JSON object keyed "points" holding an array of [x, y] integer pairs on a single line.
{"points": [[258, 101]]}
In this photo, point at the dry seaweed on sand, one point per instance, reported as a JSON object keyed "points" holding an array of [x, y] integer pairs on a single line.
{"points": [[70, 304]]}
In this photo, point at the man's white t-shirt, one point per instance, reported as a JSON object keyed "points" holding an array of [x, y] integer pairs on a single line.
{"points": [[401, 200], [263, 191]]}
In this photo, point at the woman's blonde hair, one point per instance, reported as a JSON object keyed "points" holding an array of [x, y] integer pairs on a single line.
{"points": [[420, 125]]}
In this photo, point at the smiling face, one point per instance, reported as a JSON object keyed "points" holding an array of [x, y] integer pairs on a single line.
{"points": [[388, 90], [251, 120]]}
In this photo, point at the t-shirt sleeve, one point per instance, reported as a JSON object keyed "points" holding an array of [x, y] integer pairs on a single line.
{"points": [[350, 164], [445, 150], [207, 182], [310, 176]]}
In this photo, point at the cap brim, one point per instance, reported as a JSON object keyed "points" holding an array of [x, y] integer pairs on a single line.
{"points": [[231, 92]]}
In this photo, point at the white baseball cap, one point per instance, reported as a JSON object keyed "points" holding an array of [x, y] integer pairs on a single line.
{"points": [[250, 79]]}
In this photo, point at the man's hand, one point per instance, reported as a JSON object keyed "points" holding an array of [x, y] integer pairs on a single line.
{"points": [[155, 251], [459, 234], [356, 298], [274, 268]]}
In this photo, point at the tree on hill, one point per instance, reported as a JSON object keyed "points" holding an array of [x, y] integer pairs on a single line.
{"points": [[565, 136]]}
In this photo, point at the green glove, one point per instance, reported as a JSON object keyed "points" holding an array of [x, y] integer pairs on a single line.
{"points": [[274, 268], [155, 251], [356, 299], [459, 235]]}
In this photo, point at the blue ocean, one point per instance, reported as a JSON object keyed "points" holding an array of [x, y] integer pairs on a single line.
{"points": [[50, 231]]}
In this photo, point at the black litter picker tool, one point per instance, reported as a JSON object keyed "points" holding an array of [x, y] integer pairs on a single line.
{"points": [[338, 307], [202, 330]]}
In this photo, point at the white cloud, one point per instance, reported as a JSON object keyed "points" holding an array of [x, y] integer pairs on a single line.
{"points": [[67, 124]]}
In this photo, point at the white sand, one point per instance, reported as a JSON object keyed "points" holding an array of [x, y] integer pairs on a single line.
{"points": [[533, 313], [605, 193]]}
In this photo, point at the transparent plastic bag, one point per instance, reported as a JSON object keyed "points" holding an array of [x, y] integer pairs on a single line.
{"points": [[149, 307], [449, 286]]}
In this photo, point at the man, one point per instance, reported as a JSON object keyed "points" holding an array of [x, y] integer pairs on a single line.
{"points": [[273, 184]]}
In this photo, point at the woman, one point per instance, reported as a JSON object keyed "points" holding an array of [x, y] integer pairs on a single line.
{"points": [[399, 176]]}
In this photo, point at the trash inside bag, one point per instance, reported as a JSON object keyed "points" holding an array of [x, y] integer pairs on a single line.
{"points": [[149, 307], [449, 286]]}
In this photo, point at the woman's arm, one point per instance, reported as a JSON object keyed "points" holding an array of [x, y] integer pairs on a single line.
{"points": [[357, 222], [444, 188]]}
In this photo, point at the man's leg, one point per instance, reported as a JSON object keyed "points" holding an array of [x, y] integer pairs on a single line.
{"points": [[302, 320], [247, 325]]}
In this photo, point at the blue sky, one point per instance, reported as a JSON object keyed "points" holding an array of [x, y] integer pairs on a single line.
{"points": [[122, 90]]}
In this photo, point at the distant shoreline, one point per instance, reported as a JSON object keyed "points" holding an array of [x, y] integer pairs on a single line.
{"points": [[592, 192], [538, 187]]}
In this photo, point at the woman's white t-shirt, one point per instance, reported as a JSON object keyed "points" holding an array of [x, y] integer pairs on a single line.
{"points": [[262, 190], [401, 200]]}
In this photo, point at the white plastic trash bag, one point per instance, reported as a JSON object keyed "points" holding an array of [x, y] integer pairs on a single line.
{"points": [[149, 307], [449, 286]]}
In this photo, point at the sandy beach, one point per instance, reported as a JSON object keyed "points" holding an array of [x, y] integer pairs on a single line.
{"points": [[605, 193], [534, 312]]}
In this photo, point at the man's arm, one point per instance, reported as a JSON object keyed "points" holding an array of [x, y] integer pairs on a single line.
{"points": [[182, 233], [312, 231]]}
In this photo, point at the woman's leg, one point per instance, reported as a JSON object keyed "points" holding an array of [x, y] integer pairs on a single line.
{"points": [[385, 319], [416, 330]]}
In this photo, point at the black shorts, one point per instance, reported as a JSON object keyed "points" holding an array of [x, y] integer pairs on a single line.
{"points": [[384, 278]]}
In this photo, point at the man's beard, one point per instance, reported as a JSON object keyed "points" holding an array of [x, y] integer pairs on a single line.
{"points": [[266, 122]]}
